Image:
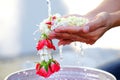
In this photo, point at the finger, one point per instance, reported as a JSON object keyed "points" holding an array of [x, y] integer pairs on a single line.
{"points": [[70, 37], [96, 23], [68, 29], [67, 36], [52, 35], [62, 35], [95, 35], [64, 42], [90, 42], [91, 26]]}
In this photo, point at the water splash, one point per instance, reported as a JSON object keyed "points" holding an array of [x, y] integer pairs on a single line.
{"points": [[61, 52], [61, 55], [49, 7], [49, 14], [78, 48]]}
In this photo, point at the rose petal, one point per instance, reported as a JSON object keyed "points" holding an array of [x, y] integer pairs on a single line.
{"points": [[37, 66], [42, 71], [55, 66], [41, 44], [49, 44], [53, 17], [49, 23]]}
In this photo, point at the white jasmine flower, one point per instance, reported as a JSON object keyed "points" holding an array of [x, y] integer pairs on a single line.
{"points": [[61, 21]]}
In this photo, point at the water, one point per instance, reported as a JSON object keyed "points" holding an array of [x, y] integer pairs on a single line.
{"points": [[49, 14], [42, 52], [77, 45], [49, 7], [61, 53], [79, 52]]}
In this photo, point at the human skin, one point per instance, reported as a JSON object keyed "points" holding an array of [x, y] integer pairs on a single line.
{"points": [[101, 19]]}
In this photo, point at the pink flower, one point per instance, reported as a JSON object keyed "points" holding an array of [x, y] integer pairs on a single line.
{"points": [[55, 66], [51, 22], [50, 44], [53, 17], [45, 42], [43, 71]]}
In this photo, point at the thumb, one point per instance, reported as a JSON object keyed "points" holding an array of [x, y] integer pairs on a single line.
{"points": [[95, 23], [92, 25]]}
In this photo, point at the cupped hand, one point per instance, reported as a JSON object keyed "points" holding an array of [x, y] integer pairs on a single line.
{"points": [[88, 33]]}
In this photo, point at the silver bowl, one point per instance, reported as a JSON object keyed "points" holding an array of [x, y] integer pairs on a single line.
{"points": [[66, 73]]}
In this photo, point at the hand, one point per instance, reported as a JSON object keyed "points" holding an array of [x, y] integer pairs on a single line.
{"points": [[89, 33]]}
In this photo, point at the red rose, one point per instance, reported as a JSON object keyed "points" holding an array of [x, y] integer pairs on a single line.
{"points": [[45, 42], [37, 66], [55, 66], [54, 17], [49, 23], [50, 44], [40, 44], [44, 71]]}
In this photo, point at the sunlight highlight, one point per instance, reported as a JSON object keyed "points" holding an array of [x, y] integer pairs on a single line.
{"points": [[81, 6]]}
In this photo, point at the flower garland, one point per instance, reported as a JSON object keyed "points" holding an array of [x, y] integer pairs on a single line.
{"points": [[48, 65]]}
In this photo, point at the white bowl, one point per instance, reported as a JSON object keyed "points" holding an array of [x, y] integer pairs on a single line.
{"points": [[66, 73]]}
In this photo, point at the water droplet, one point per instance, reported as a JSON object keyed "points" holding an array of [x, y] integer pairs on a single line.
{"points": [[18, 73], [26, 73], [85, 69], [37, 25], [49, 7], [35, 39], [35, 31], [61, 68]]}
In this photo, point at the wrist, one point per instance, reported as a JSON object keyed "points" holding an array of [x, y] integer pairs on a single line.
{"points": [[115, 19]]}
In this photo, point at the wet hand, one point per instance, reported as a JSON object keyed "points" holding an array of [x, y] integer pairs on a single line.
{"points": [[89, 33]]}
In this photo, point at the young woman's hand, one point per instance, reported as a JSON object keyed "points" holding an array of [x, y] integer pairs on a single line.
{"points": [[88, 33]]}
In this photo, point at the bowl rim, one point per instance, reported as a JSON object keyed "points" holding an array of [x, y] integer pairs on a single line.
{"points": [[81, 67]]}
